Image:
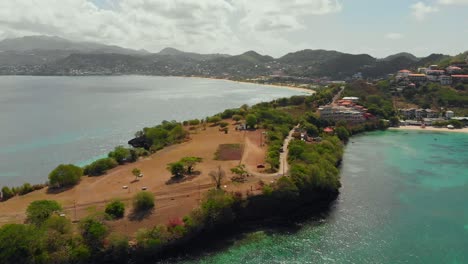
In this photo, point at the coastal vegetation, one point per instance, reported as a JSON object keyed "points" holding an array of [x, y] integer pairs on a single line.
{"points": [[65, 175]]}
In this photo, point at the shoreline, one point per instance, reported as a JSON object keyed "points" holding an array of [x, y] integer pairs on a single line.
{"points": [[289, 87], [299, 89], [430, 129]]}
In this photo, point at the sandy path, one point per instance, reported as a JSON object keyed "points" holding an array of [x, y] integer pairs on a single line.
{"points": [[254, 152]]}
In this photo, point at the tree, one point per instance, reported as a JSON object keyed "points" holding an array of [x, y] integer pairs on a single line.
{"points": [[311, 129], [65, 175], [39, 211], [177, 169], [7, 193], [218, 176], [59, 223], [214, 119], [115, 209], [342, 133], [394, 121], [286, 189], [143, 201], [251, 120], [190, 162], [237, 118], [136, 172], [20, 244], [100, 166], [239, 170], [93, 232], [120, 154]]}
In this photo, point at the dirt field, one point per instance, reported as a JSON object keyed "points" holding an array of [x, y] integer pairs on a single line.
{"points": [[175, 200]]}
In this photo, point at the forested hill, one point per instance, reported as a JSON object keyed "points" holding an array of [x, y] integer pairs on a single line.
{"points": [[42, 55]]}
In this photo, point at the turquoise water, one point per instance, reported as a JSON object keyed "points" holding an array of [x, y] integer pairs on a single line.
{"points": [[46, 121], [404, 200]]}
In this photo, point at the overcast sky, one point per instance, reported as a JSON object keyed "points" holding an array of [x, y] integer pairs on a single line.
{"points": [[274, 27]]}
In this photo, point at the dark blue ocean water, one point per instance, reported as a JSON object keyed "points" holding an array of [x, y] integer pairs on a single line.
{"points": [[46, 121]]}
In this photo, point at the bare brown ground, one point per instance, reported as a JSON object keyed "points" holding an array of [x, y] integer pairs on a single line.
{"points": [[175, 200], [254, 150]]}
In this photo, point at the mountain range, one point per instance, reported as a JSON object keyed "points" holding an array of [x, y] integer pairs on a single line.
{"points": [[45, 55]]}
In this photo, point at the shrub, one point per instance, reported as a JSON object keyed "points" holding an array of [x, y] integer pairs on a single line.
{"points": [[267, 190], [39, 211], [25, 189], [120, 154], [153, 238], [251, 120], [214, 119], [194, 122], [217, 207], [115, 209], [177, 169], [100, 166], [223, 124], [236, 118], [59, 223], [143, 201], [7, 193], [65, 175], [93, 232], [118, 249]]}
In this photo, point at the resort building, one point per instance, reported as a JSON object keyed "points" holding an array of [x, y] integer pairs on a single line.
{"points": [[453, 70], [433, 75], [460, 78], [416, 78], [412, 113], [341, 113], [445, 79], [403, 74]]}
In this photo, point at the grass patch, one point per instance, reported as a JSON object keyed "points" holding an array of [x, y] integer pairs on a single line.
{"points": [[229, 152]]}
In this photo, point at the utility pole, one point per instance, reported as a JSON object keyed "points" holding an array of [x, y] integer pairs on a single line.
{"points": [[74, 205]]}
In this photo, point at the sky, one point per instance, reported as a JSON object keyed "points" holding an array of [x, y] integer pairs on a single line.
{"points": [[273, 27]]}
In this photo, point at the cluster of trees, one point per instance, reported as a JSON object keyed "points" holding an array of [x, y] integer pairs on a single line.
{"points": [[314, 166], [26, 188], [454, 123], [160, 136], [50, 238], [185, 165]]}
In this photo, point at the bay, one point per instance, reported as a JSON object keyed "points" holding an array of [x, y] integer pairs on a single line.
{"points": [[46, 121]]}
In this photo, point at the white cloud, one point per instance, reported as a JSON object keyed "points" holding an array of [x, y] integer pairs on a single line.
{"points": [[420, 10], [195, 25], [280, 15], [393, 36], [452, 2]]}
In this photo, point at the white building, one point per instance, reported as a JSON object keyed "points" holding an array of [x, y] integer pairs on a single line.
{"points": [[351, 98], [449, 114], [340, 113]]}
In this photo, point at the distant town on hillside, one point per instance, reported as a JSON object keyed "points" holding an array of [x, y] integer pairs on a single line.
{"points": [[44, 55]]}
